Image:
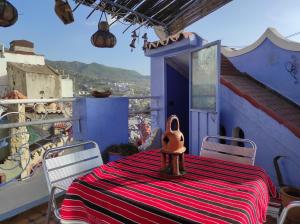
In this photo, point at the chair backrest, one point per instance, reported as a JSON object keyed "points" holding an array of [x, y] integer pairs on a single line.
{"points": [[62, 169], [231, 153]]}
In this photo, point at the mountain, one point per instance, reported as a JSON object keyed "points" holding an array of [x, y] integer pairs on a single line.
{"points": [[95, 70], [98, 76]]}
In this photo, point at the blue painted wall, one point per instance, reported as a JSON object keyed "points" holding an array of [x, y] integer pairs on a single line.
{"points": [[103, 120], [269, 64], [271, 137], [178, 99]]}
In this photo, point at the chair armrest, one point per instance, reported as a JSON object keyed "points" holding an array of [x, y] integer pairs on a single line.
{"points": [[294, 204]]}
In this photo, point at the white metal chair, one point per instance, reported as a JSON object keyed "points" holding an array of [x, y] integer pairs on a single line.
{"points": [[61, 170], [211, 148], [285, 211]]}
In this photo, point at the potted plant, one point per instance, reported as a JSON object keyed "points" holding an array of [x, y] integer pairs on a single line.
{"points": [[116, 152]]}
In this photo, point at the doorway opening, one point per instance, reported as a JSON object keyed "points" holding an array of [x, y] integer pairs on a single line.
{"points": [[177, 91]]}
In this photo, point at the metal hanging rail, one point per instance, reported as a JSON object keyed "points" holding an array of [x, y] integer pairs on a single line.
{"points": [[135, 12]]}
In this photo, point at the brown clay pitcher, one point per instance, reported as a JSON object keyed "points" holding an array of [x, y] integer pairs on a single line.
{"points": [[173, 140]]}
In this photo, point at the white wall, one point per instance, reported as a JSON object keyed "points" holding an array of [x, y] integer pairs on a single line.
{"points": [[66, 88], [26, 59], [3, 77], [17, 58]]}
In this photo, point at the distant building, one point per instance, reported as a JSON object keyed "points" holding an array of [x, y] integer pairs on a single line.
{"points": [[34, 81], [24, 70]]}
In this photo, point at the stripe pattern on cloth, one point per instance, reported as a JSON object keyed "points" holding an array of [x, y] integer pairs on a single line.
{"points": [[131, 190]]}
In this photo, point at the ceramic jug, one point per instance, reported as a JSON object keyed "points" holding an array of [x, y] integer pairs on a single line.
{"points": [[173, 140]]}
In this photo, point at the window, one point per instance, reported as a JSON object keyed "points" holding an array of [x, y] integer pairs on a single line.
{"points": [[204, 78]]}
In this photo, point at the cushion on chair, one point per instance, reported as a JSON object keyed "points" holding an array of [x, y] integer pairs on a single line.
{"points": [[153, 142]]}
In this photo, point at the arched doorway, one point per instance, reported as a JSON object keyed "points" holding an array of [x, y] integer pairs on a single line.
{"points": [[238, 133], [222, 133]]}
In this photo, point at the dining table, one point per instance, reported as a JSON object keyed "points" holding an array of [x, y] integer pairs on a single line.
{"points": [[132, 190]]}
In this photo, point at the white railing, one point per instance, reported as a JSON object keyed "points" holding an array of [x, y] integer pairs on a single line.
{"points": [[36, 122]]}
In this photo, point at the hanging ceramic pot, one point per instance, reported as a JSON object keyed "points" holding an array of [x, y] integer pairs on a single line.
{"points": [[132, 44], [103, 38], [145, 37], [63, 11], [8, 14]]}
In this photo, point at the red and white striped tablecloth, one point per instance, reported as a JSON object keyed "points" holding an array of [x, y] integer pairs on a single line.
{"points": [[132, 191]]}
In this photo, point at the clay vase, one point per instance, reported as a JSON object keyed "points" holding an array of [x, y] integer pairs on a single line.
{"points": [[8, 14], [52, 106], [173, 140], [103, 38], [63, 11], [290, 194]]}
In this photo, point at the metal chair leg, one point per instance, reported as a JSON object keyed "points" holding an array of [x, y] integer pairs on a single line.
{"points": [[49, 210], [50, 205]]}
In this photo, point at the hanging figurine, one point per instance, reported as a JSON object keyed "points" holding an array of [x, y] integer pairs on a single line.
{"points": [[134, 36], [145, 37]]}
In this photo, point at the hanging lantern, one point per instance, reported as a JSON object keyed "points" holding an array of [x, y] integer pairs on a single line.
{"points": [[134, 36], [63, 11], [145, 37], [8, 14], [103, 38], [132, 44]]}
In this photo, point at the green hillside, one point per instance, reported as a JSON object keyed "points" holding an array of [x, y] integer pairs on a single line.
{"points": [[98, 76]]}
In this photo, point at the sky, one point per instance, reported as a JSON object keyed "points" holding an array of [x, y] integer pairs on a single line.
{"points": [[238, 24]]}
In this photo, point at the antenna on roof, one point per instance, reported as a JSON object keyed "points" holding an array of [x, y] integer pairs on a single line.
{"points": [[2, 50], [292, 35]]}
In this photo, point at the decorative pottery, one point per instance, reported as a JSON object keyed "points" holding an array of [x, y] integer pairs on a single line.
{"points": [[98, 94], [8, 14], [173, 140], [63, 11], [172, 152], [288, 195], [52, 106], [103, 38], [40, 108]]}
